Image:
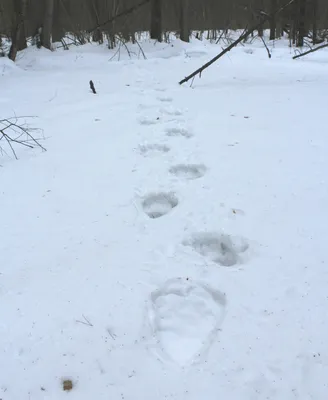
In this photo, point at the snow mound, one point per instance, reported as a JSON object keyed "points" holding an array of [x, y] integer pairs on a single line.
{"points": [[7, 67]]}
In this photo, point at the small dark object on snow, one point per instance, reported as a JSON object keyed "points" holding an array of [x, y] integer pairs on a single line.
{"points": [[92, 87], [67, 385]]}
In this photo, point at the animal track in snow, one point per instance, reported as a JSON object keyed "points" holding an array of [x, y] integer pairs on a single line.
{"points": [[148, 121], [178, 132], [188, 171], [184, 317], [165, 99], [154, 148], [236, 212], [223, 249], [195, 54], [155, 205], [171, 111]]}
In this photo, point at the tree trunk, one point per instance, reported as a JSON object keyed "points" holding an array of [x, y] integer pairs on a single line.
{"points": [[184, 30], [156, 20], [47, 24], [260, 31], [273, 22], [260, 6], [57, 29], [18, 39], [301, 23], [314, 21]]}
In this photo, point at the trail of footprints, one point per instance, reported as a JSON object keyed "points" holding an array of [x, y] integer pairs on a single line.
{"points": [[184, 316]]}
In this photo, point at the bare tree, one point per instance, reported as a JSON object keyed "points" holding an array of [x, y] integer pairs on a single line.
{"points": [[18, 41], [156, 20], [97, 19], [314, 21], [47, 24], [301, 32], [273, 23], [184, 30], [57, 28]]}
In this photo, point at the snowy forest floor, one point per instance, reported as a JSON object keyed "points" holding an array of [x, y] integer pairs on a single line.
{"points": [[171, 241]]}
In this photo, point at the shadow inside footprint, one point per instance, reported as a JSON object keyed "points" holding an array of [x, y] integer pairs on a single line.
{"points": [[171, 111], [155, 205], [188, 171], [178, 132], [221, 248], [148, 121], [153, 148], [165, 99]]}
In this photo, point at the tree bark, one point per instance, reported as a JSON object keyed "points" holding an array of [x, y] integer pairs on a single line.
{"points": [[47, 24], [301, 23], [156, 20], [57, 29], [314, 21], [18, 39], [273, 22], [184, 30]]}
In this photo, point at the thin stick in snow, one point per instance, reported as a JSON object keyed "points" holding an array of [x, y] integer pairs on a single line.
{"points": [[85, 322], [92, 87], [265, 45]]}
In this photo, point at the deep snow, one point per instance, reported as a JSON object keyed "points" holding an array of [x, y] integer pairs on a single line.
{"points": [[171, 242]]}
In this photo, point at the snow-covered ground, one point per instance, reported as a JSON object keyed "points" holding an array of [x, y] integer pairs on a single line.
{"points": [[171, 242]]}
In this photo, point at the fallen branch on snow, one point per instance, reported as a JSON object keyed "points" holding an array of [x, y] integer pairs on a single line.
{"points": [[13, 132], [264, 18], [311, 51]]}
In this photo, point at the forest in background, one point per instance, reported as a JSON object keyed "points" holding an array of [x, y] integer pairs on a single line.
{"points": [[81, 21]]}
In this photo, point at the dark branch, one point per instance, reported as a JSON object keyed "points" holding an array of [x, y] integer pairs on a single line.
{"points": [[310, 51], [14, 133], [119, 15]]}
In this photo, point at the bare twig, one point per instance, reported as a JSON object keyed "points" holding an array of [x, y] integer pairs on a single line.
{"points": [[121, 14], [85, 322], [264, 18], [265, 45], [111, 334], [92, 87], [14, 132], [141, 50]]}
